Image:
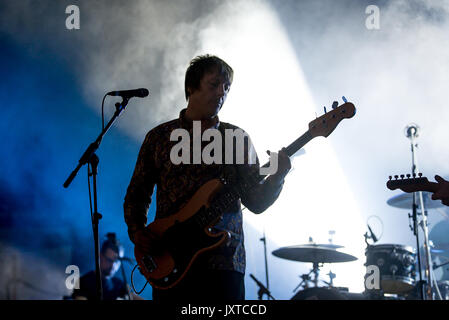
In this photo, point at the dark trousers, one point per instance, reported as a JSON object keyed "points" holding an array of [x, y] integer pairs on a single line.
{"points": [[205, 285]]}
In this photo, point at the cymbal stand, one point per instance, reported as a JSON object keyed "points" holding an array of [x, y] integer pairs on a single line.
{"points": [[332, 276], [305, 280], [264, 240], [411, 132], [316, 271]]}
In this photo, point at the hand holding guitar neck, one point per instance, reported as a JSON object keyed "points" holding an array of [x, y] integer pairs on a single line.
{"points": [[440, 189], [443, 191]]}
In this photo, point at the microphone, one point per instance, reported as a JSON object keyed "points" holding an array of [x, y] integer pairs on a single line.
{"points": [[412, 130], [140, 93], [373, 236]]}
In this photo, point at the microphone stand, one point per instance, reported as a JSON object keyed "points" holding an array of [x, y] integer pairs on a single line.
{"points": [[266, 263], [89, 157], [416, 234], [262, 289], [412, 133]]}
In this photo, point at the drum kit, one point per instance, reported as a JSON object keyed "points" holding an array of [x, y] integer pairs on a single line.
{"points": [[403, 273], [397, 264]]}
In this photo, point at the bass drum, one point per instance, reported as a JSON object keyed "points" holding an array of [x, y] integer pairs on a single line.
{"points": [[396, 265], [328, 293], [319, 293]]}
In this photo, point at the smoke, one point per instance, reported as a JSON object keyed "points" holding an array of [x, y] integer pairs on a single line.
{"points": [[395, 75]]}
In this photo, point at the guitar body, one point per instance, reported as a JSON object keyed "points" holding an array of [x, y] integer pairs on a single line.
{"points": [[183, 240]]}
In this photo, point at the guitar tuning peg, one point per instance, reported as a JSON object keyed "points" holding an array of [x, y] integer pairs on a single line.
{"points": [[334, 104], [408, 175], [390, 177], [420, 174], [344, 99], [396, 177], [402, 176], [325, 109]]}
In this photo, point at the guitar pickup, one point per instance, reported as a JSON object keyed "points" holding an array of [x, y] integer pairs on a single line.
{"points": [[149, 263]]}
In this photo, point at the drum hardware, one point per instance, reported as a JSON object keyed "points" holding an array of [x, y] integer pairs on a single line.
{"points": [[317, 254], [410, 201], [439, 243], [435, 266], [267, 291], [411, 132], [370, 236], [262, 289], [323, 293], [405, 201], [306, 278], [396, 265], [314, 253], [332, 276]]}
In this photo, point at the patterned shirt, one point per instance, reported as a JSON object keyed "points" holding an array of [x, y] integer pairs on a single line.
{"points": [[177, 183]]}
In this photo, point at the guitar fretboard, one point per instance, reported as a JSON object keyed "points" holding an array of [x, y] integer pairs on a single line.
{"points": [[230, 194]]}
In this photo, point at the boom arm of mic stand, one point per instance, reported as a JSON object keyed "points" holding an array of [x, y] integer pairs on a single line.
{"points": [[96, 144]]}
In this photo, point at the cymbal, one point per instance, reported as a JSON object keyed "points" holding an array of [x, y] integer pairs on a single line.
{"points": [[312, 253], [322, 245], [405, 201], [439, 237]]}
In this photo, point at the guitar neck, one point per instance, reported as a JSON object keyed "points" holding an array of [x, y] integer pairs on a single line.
{"points": [[299, 143], [293, 147], [412, 185], [231, 194], [429, 186], [322, 126]]}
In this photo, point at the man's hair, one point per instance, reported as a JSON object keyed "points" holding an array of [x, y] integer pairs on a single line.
{"points": [[201, 65], [111, 242]]}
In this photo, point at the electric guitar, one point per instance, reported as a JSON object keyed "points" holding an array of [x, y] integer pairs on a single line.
{"points": [[411, 184], [188, 233]]}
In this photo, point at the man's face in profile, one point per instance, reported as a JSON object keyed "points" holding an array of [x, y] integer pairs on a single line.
{"points": [[109, 262], [211, 94]]}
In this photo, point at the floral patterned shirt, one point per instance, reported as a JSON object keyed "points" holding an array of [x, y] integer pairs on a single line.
{"points": [[177, 183]]}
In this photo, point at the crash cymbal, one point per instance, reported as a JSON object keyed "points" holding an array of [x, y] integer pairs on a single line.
{"points": [[322, 245], [312, 253], [405, 201], [439, 237]]}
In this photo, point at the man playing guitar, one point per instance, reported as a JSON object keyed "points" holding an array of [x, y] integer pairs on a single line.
{"points": [[217, 274]]}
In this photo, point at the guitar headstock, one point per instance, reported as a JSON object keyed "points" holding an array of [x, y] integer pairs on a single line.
{"points": [[324, 125], [409, 184]]}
